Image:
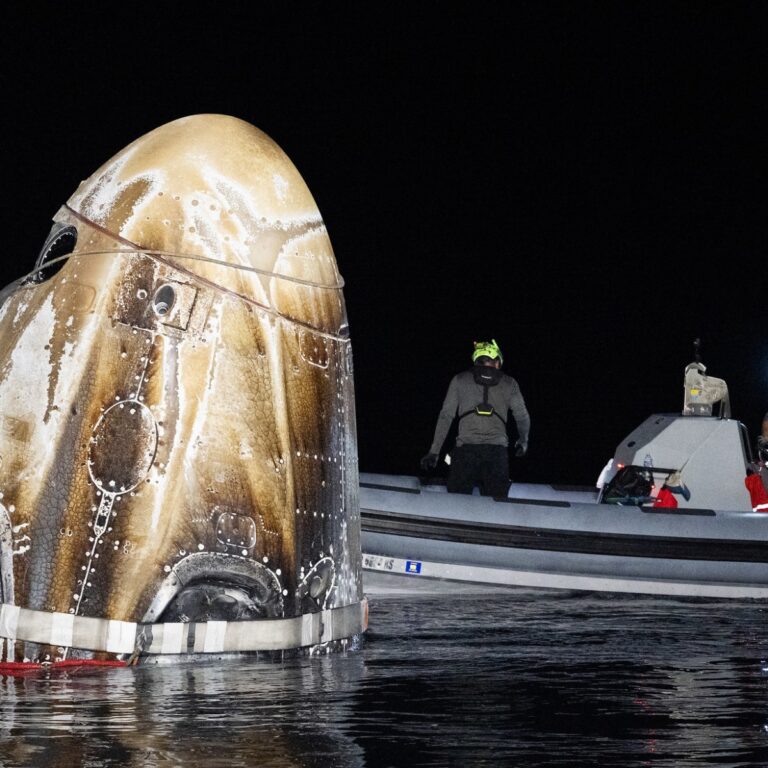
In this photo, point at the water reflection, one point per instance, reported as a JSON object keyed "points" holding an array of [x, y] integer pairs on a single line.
{"points": [[208, 714], [505, 679]]}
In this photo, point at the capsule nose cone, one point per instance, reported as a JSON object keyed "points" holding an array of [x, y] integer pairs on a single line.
{"points": [[206, 182], [214, 191]]}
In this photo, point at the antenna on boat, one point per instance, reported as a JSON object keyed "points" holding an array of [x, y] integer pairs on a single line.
{"points": [[697, 350]]}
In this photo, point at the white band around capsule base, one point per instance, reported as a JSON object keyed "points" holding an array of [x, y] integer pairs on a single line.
{"points": [[124, 637]]}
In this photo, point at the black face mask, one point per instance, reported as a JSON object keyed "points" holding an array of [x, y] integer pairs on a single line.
{"points": [[486, 375]]}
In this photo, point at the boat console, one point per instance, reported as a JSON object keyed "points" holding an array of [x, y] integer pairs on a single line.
{"points": [[700, 456]]}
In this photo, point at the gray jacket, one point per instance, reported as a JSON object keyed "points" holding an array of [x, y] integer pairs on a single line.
{"points": [[463, 395]]}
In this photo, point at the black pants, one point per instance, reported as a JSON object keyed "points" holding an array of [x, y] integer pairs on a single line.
{"points": [[484, 466]]}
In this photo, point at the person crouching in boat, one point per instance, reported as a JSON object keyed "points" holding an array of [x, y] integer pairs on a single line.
{"points": [[757, 473], [762, 441], [481, 398]]}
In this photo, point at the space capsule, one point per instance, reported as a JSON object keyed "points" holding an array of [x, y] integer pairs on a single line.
{"points": [[178, 459]]}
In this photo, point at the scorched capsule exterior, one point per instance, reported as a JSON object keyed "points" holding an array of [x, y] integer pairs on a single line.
{"points": [[178, 459]]}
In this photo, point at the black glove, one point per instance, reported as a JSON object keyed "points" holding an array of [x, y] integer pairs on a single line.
{"points": [[521, 447], [429, 461]]}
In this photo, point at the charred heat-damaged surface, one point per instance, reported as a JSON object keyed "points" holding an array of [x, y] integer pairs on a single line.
{"points": [[177, 433]]}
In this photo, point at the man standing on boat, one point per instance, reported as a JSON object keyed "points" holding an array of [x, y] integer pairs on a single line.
{"points": [[481, 397]]}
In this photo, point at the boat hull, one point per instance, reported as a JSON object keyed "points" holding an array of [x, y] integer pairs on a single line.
{"points": [[549, 538]]}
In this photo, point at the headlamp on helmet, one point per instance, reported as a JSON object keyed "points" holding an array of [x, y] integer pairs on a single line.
{"points": [[487, 349]]}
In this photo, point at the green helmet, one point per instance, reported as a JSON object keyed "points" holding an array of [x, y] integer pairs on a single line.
{"points": [[487, 349]]}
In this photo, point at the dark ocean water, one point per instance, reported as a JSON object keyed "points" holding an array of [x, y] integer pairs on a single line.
{"points": [[505, 678]]}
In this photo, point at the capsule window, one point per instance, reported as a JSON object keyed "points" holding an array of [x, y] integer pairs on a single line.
{"points": [[59, 244], [163, 300]]}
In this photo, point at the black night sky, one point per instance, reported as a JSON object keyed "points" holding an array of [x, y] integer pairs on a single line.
{"points": [[583, 182]]}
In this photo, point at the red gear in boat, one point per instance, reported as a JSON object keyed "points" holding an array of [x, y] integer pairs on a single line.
{"points": [[665, 498], [757, 492]]}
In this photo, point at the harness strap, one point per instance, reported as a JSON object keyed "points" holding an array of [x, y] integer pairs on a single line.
{"points": [[489, 410]]}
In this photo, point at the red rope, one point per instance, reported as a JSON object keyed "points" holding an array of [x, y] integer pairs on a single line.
{"points": [[23, 667]]}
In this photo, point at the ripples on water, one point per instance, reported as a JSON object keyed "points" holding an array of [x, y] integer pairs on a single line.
{"points": [[506, 678]]}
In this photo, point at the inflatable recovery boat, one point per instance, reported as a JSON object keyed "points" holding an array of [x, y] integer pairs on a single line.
{"points": [[671, 515]]}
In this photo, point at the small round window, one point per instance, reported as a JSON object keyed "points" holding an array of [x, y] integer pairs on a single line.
{"points": [[59, 244], [163, 300]]}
